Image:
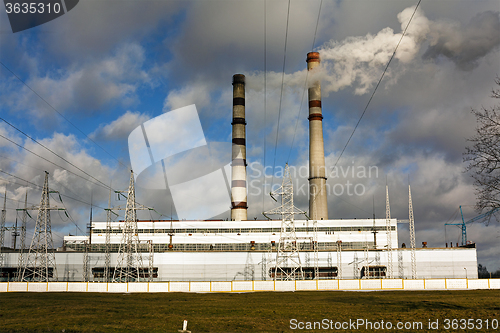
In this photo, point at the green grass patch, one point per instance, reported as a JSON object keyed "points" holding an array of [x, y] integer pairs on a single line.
{"points": [[233, 312]]}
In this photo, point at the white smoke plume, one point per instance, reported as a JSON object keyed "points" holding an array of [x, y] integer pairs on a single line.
{"points": [[359, 61]]}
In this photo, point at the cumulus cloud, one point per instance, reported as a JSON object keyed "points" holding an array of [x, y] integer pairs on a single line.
{"points": [[194, 93], [74, 186], [89, 87], [120, 128], [94, 28]]}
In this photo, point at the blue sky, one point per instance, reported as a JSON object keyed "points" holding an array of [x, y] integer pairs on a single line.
{"points": [[108, 66]]}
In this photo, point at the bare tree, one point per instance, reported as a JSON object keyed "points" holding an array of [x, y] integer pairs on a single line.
{"points": [[483, 156]]}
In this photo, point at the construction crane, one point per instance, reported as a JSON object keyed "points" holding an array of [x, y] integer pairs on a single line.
{"points": [[474, 219]]}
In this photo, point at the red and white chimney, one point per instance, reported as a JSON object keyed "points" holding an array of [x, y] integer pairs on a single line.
{"points": [[318, 208]]}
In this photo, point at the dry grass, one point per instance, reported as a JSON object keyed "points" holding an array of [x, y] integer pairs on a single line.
{"points": [[246, 312]]}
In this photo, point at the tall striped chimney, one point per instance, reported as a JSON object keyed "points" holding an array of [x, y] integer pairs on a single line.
{"points": [[239, 165], [318, 209]]}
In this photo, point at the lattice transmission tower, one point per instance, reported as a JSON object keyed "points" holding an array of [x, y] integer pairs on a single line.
{"points": [[85, 272], [401, 265], [355, 266], [412, 237], [107, 243], [2, 227], [40, 264], [22, 249], [315, 245], [388, 230], [339, 259], [150, 260], [288, 265], [129, 262], [249, 271]]}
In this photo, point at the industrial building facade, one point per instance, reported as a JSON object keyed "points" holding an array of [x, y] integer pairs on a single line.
{"points": [[246, 250], [205, 250]]}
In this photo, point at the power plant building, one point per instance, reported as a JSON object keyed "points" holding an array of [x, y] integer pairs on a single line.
{"points": [[239, 249]]}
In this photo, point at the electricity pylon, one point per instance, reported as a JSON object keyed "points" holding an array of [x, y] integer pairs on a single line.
{"points": [[412, 237], [339, 259], [315, 249], [85, 272], [107, 244], [130, 261], [400, 265], [150, 260], [249, 271], [388, 230], [22, 255], [355, 267], [288, 265], [2, 227], [40, 263]]}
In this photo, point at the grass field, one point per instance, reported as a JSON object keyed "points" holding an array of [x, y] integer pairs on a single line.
{"points": [[246, 312]]}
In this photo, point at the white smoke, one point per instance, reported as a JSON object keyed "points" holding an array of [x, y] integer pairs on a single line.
{"points": [[359, 61]]}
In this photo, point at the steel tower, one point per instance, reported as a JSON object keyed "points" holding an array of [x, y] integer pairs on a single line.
{"points": [[412, 237], [2, 227], [288, 265], [22, 256], [129, 258], [388, 230], [40, 263]]}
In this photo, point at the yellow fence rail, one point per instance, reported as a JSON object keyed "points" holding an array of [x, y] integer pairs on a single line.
{"points": [[251, 286]]}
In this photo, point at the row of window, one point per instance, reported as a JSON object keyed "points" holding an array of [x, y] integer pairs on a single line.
{"points": [[244, 230], [132, 274], [306, 246], [374, 272]]}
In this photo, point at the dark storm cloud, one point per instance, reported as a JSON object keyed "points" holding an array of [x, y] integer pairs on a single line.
{"points": [[465, 45]]}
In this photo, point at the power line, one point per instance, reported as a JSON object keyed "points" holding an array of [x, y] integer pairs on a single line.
{"points": [[57, 165], [282, 86], [101, 183], [24, 180], [379, 81], [265, 96], [39, 187], [11, 182], [67, 188], [29, 137], [69, 216], [305, 86], [14, 200], [366, 107], [60, 114], [67, 212]]}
